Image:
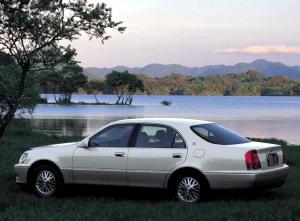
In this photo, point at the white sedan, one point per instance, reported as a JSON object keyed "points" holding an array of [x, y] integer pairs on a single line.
{"points": [[188, 157]]}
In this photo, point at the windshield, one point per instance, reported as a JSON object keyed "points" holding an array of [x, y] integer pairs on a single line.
{"points": [[217, 134]]}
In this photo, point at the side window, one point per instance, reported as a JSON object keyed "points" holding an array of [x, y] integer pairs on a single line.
{"points": [[156, 136], [114, 136]]}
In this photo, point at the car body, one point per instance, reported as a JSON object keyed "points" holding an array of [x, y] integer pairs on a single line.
{"points": [[158, 153]]}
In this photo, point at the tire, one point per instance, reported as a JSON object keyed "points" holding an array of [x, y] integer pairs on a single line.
{"points": [[46, 181], [190, 187]]}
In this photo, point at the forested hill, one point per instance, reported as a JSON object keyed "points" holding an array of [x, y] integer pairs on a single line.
{"points": [[265, 67], [250, 83]]}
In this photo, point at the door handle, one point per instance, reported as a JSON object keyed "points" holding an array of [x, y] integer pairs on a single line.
{"points": [[176, 155], [120, 154]]}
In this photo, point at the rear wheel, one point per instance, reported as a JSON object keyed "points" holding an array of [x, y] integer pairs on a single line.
{"points": [[190, 188], [46, 181]]}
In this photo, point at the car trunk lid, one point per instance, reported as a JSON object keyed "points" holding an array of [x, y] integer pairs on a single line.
{"points": [[270, 155]]}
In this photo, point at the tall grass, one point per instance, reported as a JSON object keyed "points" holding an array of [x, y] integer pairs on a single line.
{"points": [[102, 203]]}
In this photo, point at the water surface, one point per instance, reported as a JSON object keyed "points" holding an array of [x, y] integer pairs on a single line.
{"points": [[277, 117]]}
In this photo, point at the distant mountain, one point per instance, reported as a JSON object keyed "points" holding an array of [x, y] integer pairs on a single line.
{"points": [[265, 67]]}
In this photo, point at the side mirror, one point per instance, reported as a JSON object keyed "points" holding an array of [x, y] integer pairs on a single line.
{"points": [[84, 143]]}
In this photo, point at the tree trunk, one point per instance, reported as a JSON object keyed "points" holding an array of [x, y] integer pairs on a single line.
{"points": [[54, 94], [127, 99], [7, 118], [118, 101], [122, 102], [69, 98], [97, 101]]}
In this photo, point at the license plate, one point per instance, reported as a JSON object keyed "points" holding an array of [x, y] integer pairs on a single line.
{"points": [[272, 159]]}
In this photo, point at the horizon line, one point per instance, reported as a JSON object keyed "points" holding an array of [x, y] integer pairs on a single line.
{"points": [[222, 64]]}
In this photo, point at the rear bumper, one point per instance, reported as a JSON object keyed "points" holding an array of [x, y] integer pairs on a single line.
{"points": [[21, 173], [248, 179]]}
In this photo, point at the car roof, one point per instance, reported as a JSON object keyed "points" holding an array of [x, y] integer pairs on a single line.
{"points": [[171, 121]]}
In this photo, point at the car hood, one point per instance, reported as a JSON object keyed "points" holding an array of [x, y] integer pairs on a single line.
{"points": [[61, 145]]}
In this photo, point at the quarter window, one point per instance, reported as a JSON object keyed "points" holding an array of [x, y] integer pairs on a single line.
{"points": [[114, 136], [157, 136], [178, 142]]}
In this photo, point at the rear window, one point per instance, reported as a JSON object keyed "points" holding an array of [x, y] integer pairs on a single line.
{"points": [[217, 134]]}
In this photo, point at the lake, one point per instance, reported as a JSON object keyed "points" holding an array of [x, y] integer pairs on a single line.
{"points": [[277, 117]]}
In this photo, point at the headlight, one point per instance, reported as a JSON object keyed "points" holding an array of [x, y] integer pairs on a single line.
{"points": [[23, 158]]}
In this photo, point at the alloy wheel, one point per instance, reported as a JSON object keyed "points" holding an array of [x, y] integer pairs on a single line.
{"points": [[188, 189], [45, 182]]}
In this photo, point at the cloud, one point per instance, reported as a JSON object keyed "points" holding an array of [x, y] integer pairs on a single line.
{"points": [[262, 49]]}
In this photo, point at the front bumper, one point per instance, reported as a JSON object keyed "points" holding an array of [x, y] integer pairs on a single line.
{"points": [[248, 179], [21, 173]]}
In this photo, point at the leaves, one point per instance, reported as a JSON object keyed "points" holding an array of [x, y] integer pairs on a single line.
{"points": [[65, 81], [9, 84], [124, 85], [250, 83], [31, 33], [32, 30]]}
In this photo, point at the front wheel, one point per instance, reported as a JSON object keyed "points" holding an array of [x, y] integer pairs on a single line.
{"points": [[190, 188], [46, 181]]}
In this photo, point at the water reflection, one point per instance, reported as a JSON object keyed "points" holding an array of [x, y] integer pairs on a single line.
{"points": [[277, 117], [250, 128]]}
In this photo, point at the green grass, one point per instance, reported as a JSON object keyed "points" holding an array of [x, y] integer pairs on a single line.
{"points": [[99, 203]]}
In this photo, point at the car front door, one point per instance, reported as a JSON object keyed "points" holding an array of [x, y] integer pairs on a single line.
{"points": [[157, 150], [104, 160]]}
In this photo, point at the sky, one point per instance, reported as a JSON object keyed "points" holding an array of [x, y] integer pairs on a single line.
{"points": [[197, 33]]}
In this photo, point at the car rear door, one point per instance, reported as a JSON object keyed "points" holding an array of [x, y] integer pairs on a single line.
{"points": [[104, 161], [156, 151]]}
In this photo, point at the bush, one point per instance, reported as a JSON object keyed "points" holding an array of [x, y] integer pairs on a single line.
{"points": [[166, 103]]}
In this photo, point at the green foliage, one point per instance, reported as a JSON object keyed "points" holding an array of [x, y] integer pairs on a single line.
{"points": [[124, 85], [50, 81], [94, 203], [9, 89], [65, 82], [94, 87], [31, 32], [39, 26], [296, 89], [250, 83], [72, 79]]}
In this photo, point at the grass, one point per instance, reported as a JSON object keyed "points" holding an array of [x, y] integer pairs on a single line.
{"points": [[103, 203]]}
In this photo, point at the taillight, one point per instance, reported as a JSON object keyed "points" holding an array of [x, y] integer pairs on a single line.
{"points": [[252, 160]]}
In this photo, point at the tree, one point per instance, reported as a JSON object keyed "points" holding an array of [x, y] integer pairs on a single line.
{"points": [[124, 85], [50, 81], [231, 90], [64, 82], [31, 32], [296, 89], [94, 87], [134, 84], [9, 84], [72, 79]]}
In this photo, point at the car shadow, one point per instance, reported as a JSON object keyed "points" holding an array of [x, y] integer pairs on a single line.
{"points": [[247, 194], [158, 195], [116, 192]]}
